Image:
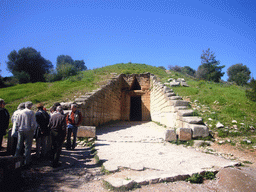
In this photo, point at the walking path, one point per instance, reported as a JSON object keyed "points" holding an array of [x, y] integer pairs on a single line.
{"points": [[140, 149]]}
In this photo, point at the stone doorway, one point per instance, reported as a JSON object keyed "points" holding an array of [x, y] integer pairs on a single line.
{"points": [[135, 109]]}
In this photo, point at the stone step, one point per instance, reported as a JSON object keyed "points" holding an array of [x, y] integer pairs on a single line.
{"points": [[184, 134], [183, 113], [178, 103], [170, 94], [198, 130], [180, 108], [175, 98], [193, 120], [85, 96], [80, 99]]}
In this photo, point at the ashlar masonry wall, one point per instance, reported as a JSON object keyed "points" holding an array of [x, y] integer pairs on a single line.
{"points": [[139, 97], [113, 101], [172, 111]]}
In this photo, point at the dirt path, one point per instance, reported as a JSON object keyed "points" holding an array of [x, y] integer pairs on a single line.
{"points": [[79, 172]]}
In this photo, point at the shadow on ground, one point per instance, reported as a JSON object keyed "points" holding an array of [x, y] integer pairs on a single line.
{"points": [[77, 167]]}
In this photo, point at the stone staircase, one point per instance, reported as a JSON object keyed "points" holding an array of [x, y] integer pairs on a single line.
{"points": [[175, 114]]}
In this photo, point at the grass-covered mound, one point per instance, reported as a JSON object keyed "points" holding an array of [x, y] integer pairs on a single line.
{"points": [[215, 102]]}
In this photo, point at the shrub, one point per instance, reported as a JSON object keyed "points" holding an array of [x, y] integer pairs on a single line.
{"points": [[195, 178], [209, 175]]}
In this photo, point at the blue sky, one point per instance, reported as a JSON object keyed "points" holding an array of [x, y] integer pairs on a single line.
{"points": [[106, 32]]}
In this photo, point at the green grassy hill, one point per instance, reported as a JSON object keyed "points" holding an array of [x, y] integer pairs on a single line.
{"points": [[215, 102]]}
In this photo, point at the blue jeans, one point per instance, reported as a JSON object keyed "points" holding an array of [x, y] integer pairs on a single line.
{"points": [[27, 138], [71, 129]]}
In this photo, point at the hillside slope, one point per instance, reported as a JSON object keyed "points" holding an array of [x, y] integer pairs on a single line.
{"points": [[215, 102]]}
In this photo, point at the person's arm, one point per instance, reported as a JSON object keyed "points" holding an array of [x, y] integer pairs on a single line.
{"points": [[67, 121]]}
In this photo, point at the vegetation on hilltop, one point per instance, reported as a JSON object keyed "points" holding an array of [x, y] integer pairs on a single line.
{"points": [[222, 102], [215, 102], [71, 87]]}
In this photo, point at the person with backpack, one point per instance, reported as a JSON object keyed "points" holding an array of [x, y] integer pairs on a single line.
{"points": [[42, 133], [74, 118]]}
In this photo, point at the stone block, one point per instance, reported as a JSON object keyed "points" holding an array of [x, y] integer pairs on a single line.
{"points": [[176, 98], [174, 84], [193, 120], [179, 103], [184, 84], [176, 109], [184, 134], [199, 130], [170, 94], [183, 113], [170, 135], [86, 131], [80, 99]]}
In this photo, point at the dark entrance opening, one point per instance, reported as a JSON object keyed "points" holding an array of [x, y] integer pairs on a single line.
{"points": [[135, 110]]}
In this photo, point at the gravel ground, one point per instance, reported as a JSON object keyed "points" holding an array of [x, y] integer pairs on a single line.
{"points": [[79, 172]]}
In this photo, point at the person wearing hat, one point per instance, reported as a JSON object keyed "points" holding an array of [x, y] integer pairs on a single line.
{"points": [[26, 122], [15, 128], [4, 116], [43, 131]]}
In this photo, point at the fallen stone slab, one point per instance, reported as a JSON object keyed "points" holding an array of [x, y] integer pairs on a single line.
{"points": [[174, 84], [86, 131]]}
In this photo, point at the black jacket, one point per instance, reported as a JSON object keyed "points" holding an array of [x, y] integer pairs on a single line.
{"points": [[42, 119], [58, 123], [4, 120]]}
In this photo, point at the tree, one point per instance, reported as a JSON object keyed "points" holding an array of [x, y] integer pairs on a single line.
{"points": [[28, 65], [209, 69], [251, 93], [63, 59], [80, 64], [239, 73], [66, 70], [162, 67], [188, 70], [175, 68]]}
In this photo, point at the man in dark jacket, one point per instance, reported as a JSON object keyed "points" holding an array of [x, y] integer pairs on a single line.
{"points": [[4, 116], [58, 132], [42, 138]]}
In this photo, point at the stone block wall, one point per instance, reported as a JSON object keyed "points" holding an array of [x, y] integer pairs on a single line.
{"points": [[158, 103], [112, 101], [102, 105], [170, 110]]}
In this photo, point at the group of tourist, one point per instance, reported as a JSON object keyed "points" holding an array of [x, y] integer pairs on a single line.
{"points": [[49, 130]]}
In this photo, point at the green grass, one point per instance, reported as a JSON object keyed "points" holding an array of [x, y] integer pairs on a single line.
{"points": [[65, 90], [222, 102], [219, 101]]}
